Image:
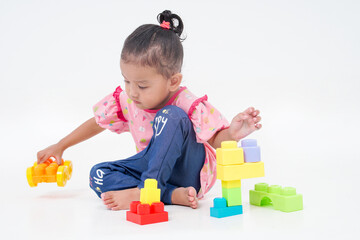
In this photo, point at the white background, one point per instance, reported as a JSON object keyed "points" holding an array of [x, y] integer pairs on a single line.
{"points": [[296, 61]]}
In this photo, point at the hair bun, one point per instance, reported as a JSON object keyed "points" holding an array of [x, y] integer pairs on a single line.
{"points": [[175, 21]]}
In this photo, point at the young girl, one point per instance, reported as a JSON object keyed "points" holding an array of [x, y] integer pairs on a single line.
{"points": [[174, 131]]}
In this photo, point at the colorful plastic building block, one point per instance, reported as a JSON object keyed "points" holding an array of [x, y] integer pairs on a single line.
{"points": [[146, 214], [231, 184], [149, 209], [49, 171], [220, 209], [232, 196], [241, 171], [231, 169], [150, 193], [283, 199], [251, 150], [231, 191], [229, 154]]}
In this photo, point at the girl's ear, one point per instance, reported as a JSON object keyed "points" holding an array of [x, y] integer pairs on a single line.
{"points": [[175, 81]]}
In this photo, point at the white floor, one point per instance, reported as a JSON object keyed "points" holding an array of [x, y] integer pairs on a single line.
{"points": [[297, 61], [74, 212]]}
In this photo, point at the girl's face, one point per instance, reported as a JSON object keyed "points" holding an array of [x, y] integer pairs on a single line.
{"points": [[145, 86]]}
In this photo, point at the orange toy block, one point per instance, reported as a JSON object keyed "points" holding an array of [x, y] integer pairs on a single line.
{"points": [[49, 171], [146, 214]]}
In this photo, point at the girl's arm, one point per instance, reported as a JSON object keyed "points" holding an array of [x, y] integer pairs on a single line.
{"points": [[85, 131], [222, 135], [242, 125]]}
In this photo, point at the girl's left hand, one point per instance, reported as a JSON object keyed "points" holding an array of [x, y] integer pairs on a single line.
{"points": [[245, 123]]}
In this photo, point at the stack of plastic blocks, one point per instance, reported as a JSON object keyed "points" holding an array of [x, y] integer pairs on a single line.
{"points": [[149, 209], [233, 165], [283, 199]]}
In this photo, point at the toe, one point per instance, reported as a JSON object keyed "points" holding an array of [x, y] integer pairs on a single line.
{"points": [[193, 201], [106, 195], [191, 192], [194, 205], [107, 202], [111, 205], [116, 208]]}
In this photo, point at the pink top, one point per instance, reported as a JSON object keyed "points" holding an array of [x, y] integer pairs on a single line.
{"points": [[118, 113]]}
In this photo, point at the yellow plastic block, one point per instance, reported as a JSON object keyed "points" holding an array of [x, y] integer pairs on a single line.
{"points": [[241, 171], [150, 193], [231, 184], [229, 154]]}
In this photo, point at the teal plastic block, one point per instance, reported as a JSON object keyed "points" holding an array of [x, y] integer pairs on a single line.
{"points": [[283, 199], [220, 209]]}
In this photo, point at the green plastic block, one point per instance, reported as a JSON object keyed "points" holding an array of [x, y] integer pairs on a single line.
{"points": [[284, 199], [232, 196]]}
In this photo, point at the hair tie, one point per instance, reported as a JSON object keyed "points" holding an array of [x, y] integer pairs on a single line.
{"points": [[165, 25]]}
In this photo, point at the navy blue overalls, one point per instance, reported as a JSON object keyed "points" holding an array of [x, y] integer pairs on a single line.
{"points": [[173, 158]]}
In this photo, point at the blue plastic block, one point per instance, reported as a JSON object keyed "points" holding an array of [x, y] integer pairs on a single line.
{"points": [[251, 150], [220, 209], [220, 202]]}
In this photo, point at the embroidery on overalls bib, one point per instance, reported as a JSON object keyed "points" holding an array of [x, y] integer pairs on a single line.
{"points": [[159, 125]]}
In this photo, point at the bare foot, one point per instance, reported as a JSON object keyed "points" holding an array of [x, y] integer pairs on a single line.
{"points": [[120, 200], [185, 196]]}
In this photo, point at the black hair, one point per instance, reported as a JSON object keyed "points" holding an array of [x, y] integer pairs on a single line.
{"points": [[154, 46]]}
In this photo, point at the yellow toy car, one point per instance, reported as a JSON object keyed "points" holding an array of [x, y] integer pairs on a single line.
{"points": [[49, 171]]}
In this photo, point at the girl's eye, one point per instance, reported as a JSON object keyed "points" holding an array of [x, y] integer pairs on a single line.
{"points": [[142, 87]]}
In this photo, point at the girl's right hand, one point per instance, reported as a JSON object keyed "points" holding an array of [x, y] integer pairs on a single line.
{"points": [[52, 151]]}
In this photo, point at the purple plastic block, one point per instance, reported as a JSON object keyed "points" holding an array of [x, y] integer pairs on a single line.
{"points": [[251, 150]]}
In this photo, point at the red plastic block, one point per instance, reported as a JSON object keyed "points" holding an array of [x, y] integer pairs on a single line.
{"points": [[157, 207], [133, 206], [145, 214]]}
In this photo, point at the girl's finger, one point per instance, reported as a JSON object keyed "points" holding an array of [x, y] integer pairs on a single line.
{"points": [[257, 119], [40, 158], [250, 110], [58, 160], [45, 157], [255, 113]]}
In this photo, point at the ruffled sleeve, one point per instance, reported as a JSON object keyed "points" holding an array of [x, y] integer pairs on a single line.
{"points": [[206, 119], [107, 114]]}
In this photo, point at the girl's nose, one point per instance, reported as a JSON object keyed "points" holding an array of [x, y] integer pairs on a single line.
{"points": [[133, 92]]}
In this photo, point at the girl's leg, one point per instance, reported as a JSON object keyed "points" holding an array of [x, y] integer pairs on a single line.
{"points": [[118, 175], [106, 177], [173, 157]]}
